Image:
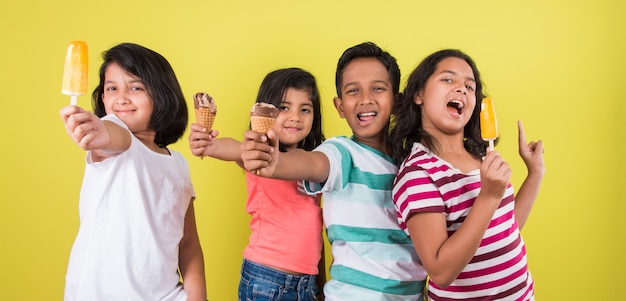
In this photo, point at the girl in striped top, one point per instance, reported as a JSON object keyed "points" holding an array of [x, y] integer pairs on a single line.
{"points": [[452, 197]]}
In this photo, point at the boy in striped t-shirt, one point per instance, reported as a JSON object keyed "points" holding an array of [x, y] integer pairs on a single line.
{"points": [[373, 259], [453, 198]]}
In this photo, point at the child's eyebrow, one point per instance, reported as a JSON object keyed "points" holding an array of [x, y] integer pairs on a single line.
{"points": [[348, 84], [378, 81], [286, 101], [455, 74], [133, 81]]}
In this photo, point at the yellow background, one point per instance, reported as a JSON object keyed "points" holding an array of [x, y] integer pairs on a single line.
{"points": [[556, 65]]}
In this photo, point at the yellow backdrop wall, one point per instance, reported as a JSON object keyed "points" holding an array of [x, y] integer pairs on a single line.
{"points": [[556, 65]]}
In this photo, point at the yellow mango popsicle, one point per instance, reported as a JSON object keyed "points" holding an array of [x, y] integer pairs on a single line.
{"points": [[488, 121], [75, 70]]}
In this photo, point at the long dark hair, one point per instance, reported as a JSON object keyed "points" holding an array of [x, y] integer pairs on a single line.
{"points": [[169, 115], [273, 89], [406, 128]]}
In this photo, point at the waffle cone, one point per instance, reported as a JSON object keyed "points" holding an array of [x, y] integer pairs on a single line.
{"points": [[205, 118], [261, 124]]}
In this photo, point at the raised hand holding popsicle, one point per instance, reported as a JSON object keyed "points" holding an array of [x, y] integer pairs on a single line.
{"points": [[75, 70], [455, 238]]}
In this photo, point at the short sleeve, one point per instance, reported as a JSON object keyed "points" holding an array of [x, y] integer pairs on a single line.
{"points": [[414, 191]]}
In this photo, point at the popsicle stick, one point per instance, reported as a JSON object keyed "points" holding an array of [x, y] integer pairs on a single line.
{"points": [[74, 100], [491, 144]]}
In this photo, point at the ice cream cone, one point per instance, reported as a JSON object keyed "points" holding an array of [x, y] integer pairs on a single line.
{"points": [[262, 119], [205, 109], [205, 117], [261, 124]]}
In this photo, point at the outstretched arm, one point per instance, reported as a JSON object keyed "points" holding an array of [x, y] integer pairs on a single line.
{"points": [[205, 143], [191, 260], [267, 161], [104, 138], [532, 154]]}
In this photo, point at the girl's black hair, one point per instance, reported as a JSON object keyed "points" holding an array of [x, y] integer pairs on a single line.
{"points": [[273, 89], [406, 127], [169, 115]]}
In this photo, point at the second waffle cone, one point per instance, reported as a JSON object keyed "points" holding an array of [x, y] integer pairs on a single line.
{"points": [[261, 124], [205, 118]]}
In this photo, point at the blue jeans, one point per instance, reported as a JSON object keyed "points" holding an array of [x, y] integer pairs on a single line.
{"points": [[261, 283]]}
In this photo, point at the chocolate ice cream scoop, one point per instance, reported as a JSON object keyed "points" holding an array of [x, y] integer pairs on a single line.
{"points": [[262, 117], [263, 109]]}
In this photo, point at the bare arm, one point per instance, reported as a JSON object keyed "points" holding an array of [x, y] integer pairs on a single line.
{"points": [[321, 277], [203, 143], [104, 138], [445, 257], [532, 154], [191, 260], [295, 165]]}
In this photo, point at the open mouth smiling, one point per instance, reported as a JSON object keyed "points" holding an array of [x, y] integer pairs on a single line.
{"points": [[366, 116], [456, 105]]}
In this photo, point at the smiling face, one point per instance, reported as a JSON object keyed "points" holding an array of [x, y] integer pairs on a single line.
{"points": [[126, 96], [449, 97], [295, 119], [367, 99]]}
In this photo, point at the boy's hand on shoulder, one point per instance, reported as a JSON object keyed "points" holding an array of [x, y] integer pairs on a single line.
{"points": [[201, 140], [257, 154]]}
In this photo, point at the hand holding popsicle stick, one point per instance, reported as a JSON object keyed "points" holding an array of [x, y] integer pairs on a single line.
{"points": [[488, 122], [75, 70]]}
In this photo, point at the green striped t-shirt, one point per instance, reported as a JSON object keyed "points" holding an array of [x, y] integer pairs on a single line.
{"points": [[373, 259]]}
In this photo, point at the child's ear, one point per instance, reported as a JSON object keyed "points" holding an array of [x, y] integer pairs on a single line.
{"points": [[339, 106], [418, 100]]}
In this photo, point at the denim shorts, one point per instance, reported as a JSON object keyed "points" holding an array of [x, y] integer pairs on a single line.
{"points": [[261, 283]]}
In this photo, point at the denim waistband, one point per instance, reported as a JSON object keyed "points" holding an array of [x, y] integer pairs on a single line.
{"points": [[260, 271]]}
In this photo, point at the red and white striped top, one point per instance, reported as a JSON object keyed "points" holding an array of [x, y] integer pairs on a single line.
{"points": [[499, 269]]}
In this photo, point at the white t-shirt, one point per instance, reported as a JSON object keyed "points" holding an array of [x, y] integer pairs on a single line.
{"points": [[132, 212]]}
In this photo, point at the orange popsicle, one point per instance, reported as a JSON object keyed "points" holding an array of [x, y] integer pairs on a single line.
{"points": [[75, 70], [488, 121]]}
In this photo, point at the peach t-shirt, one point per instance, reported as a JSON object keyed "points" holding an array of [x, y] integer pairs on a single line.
{"points": [[286, 225]]}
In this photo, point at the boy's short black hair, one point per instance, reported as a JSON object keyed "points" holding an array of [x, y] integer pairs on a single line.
{"points": [[368, 49]]}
